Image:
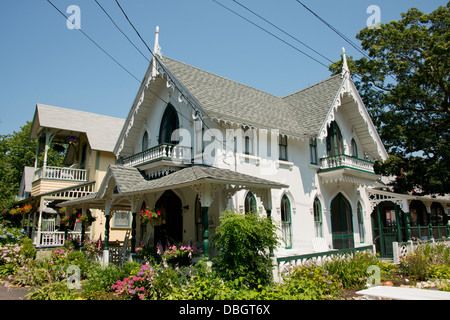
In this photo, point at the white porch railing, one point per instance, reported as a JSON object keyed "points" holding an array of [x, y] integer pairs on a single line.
{"points": [[342, 160], [59, 173], [56, 238], [161, 152]]}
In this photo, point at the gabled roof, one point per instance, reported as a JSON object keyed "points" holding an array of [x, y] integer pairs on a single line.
{"points": [[102, 131], [229, 100], [302, 114], [311, 105]]}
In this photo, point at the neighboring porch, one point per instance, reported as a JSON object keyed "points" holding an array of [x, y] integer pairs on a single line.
{"points": [[190, 201], [402, 218]]}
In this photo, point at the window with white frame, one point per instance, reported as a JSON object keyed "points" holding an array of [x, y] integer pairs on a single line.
{"points": [[283, 147], [360, 215], [250, 203], [286, 221], [318, 218], [313, 150]]}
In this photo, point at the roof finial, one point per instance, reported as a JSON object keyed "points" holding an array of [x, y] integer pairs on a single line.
{"points": [[345, 68], [156, 47]]}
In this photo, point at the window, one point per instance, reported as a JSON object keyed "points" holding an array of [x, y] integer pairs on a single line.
{"points": [[247, 145], [250, 203], [354, 148], [145, 141], [313, 150], [286, 221], [121, 219], [169, 124], [317, 218], [335, 145], [360, 214], [283, 147]]}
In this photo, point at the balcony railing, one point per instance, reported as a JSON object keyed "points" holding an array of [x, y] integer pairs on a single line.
{"points": [[344, 161], [58, 173], [172, 152]]}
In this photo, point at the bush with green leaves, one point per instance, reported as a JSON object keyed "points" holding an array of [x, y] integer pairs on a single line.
{"points": [[419, 264], [352, 268], [99, 280], [244, 243]]}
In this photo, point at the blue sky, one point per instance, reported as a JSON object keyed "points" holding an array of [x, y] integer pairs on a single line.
{"points": [[42, 61]]}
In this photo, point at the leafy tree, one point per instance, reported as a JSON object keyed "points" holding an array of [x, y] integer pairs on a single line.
{"points": [[17, 150], [405, 86]]}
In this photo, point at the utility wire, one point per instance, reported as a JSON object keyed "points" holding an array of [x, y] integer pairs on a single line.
{"points": [[118, 28], [340, 34], [286, 33], [270, 33], [96, 44]]}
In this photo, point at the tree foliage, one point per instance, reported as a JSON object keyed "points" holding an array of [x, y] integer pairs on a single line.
{"points": [[17, 150], [405, 86]]}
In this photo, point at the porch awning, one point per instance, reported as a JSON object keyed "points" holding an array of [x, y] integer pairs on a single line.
{"points": [[130, 181]]}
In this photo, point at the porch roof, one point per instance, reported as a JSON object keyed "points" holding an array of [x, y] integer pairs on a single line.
{"points": [[130, 181]]}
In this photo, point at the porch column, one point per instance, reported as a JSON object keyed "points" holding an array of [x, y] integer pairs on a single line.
{"points": [[135, 201], [108, 207], [430, 227], [205, 231], [399, 227], [48, 140], [380, 231], [83, 227], [407, 226]]}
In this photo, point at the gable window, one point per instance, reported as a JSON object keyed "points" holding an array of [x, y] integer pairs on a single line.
{"points": [[250, 203], [360, 222], [286, 221], [145, 141], [169, 123], [335, 145], [317, 218], [313, 150], [354, 148], [283, 147]]}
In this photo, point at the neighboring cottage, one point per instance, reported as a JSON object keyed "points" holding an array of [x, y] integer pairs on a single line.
{"points": [[91, 139], [195, 144]]}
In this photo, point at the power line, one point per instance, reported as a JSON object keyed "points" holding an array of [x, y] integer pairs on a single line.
{"points": [[340, 34], [96, 44], [270, 33], [286, 33], [118, 28]]}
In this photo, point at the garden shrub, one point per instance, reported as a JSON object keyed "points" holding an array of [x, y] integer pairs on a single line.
{"points": [[352, 269], [419, 265], [244, 243], [99, 280], [54, 291], [439, 271]]}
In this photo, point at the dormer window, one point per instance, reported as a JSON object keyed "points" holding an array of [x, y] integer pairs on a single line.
{"points": [[169, 124]]}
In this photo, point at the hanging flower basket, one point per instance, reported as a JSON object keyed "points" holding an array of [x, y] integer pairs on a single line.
{"points": [[85, 219], [152, 217]]}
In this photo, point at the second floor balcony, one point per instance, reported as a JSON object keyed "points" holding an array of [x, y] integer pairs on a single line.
{"points": [[348, 169], [163, 152], [47, 179], [60, 173]]}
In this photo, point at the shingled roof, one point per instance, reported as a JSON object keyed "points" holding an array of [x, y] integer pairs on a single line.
{"points": [[299, 114]]}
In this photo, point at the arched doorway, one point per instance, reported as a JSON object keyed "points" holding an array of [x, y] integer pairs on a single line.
{"points": [[341, 223], [171, 229]]}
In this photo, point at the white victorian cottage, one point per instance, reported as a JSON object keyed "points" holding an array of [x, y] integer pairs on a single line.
{"points": [[195, 144]]}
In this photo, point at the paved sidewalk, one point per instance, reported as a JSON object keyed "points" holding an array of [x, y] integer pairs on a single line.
{"points": [[13, 293]]}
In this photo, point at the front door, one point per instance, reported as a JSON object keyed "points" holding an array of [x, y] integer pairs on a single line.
{"points": [[341, 223], [171, 229]]}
